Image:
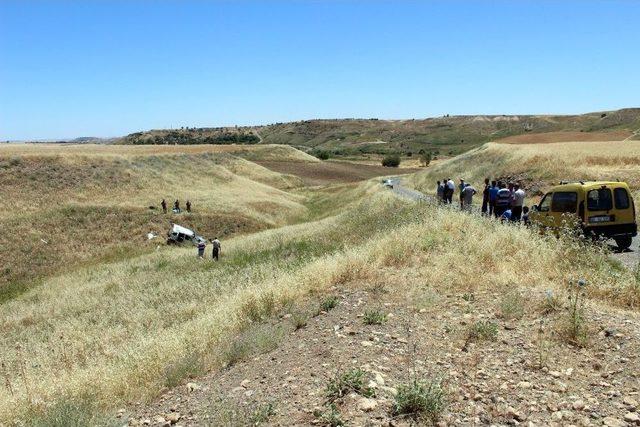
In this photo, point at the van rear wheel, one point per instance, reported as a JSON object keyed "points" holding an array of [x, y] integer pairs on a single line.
{"points": [[623, 242]]}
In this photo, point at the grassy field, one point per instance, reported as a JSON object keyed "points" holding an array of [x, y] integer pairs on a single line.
{"points": [[540, 165], [83, 204], [119, 325], [120, 332]]}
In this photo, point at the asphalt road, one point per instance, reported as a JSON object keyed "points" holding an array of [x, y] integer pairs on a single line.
{"points": [[630, 257]]}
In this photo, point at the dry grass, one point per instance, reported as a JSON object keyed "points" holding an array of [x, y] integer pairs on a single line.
{"points": [[109, 334], [81, 204], [542, 164]]}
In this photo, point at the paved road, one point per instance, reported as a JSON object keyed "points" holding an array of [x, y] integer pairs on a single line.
{"points": [[630, 257]]}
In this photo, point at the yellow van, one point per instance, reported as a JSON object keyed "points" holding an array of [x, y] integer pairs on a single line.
{"points": [[602, 209]]}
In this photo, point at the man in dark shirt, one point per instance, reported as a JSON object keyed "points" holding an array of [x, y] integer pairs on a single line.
{"points": [[485, 196]]}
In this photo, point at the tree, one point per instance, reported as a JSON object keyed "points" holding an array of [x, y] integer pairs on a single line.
{"points": [[425, 159], [391, 160]]}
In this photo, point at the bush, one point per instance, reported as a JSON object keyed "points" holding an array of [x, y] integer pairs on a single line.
{"points": [[374, 317], [329, 303], [424, 400], [323, 154], [391, 161], [347, 382]]}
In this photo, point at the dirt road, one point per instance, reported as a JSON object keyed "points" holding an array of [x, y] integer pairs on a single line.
{"points": [[630, 258]]}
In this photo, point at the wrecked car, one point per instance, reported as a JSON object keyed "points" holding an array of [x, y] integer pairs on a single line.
{"points": [[179, 234]]}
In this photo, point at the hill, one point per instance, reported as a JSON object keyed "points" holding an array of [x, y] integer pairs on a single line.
{"points": [[445, 135]]}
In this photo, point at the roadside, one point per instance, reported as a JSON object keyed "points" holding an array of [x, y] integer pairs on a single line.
{"points": [[630, 258]]}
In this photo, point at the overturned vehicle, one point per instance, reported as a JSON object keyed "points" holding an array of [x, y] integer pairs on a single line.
{"points": [[179, 234]]}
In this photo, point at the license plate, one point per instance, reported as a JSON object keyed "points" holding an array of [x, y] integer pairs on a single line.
{"points": [[601, 218]]}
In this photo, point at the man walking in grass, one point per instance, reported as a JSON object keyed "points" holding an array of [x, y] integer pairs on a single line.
{"points": [[461, 187], [164, 206], [201, 247], [493, 195], [216, 248], [467, 194], [517, 202], [440, 192], [485, 196], [450, 187]]}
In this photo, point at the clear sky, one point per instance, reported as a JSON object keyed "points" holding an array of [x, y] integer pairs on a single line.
{"points": [[108, 68]]}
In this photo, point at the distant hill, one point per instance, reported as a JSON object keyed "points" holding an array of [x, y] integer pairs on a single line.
{"points": [[444, 135]]}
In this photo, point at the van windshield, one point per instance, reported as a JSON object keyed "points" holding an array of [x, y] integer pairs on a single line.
{"points": [[599, 200], [564, 201]]}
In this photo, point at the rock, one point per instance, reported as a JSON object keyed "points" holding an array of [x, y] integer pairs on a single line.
{"points": [[514, 414], [366, 343], [248, 393], [613, 422], [173, 417], [632, 418], [191, 387], [245, 383], [578, 405], [238, 390], [367, 405], [555, 374], [391, 390], [524, 385], [630, 402], [379, 379], [146, 421], [159, 420]]}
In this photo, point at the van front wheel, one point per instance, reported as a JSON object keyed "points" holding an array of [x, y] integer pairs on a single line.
{"points": [[623, 242]]}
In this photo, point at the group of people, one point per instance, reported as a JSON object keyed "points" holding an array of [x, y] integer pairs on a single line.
{"points": [[215, 253], [176, 206], [504, 201]]}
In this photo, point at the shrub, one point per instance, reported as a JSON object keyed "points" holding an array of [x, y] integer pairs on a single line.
{"points": [[425, 159], [421, 400], [347, 382], [482, 330], [574, 326], [323, 154], [391, 161], [331, 417], [374, 317], [329, 303], [511, 306]]}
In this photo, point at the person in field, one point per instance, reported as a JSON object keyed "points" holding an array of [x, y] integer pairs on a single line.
{"points": [[517, 202], [164, 205], [493, 195], [188, 206], [217, 247], [440, 192], [485, 197], [506, 215], [202, 245], [451, 187], [503, 200], [461, 187], [467, 193], [176, 206], [525, 215]]}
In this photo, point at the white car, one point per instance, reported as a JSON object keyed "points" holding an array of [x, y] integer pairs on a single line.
{"points": [[388, 183]]}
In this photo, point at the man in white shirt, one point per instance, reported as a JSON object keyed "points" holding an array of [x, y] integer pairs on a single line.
{"points": [[517, 202], [467, 195], [451, 187]]}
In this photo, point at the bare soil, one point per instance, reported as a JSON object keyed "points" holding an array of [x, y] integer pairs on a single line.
{"points": [[332, 172], [565, 136], [525, 375]]}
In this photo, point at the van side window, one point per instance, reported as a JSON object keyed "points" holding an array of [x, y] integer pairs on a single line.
{"points": [[621, 198], [599, 200], [545, 203], [564, 201]]}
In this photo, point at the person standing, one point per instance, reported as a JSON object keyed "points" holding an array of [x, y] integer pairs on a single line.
{"points": [[216, 248], [188, 206], [440, 192], [451, 187], [493, 195], [164, 205], [202, 245], [468, 193], [176, 206], [503, 200], [461, 187], [485, 196], [517, 202]]}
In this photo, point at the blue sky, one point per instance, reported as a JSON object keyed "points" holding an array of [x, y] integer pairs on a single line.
{"points": [[107, 68]]}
